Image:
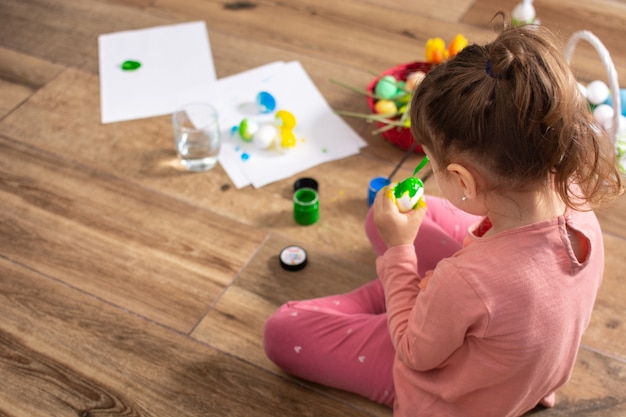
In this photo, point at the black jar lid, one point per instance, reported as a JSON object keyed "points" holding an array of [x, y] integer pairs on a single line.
{"points": [[293, 258], [305, 182]]}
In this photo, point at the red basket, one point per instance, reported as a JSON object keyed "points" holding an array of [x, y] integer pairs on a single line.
{"points": [[399, 136]]}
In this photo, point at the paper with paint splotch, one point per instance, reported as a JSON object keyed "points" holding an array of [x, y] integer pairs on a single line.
{"points": [[143, 71], [321, 135]]}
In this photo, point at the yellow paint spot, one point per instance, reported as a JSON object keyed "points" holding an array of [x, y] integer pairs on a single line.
{"points": [[337, 197]]}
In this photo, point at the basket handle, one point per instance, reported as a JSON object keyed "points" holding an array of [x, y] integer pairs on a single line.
{"points": [[610, 70]]}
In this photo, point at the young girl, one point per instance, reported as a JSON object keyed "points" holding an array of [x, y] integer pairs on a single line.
{"points": [[482, 299]]}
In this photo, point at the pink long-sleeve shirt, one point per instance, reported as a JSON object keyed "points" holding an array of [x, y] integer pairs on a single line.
{"points": [[498, 327]]}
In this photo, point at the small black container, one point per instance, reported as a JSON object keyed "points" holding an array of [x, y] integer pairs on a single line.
{"points": [[305, 182], [293, 258]]}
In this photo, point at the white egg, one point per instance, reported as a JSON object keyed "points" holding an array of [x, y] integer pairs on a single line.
{"points": [[414, 79], [265, 137], [597, 92], [523, 13], [603, 114]]}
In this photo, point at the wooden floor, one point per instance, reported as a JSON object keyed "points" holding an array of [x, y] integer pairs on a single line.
{"points": [[130, 287]]}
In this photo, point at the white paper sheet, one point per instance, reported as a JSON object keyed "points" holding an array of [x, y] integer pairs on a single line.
{"points": [[173, 58], [322, 136]]}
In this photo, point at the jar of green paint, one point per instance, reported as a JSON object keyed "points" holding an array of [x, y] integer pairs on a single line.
{"points": [[306, 206]]}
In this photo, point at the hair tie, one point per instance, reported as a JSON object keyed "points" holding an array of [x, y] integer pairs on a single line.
{"points": [[488, 69]]}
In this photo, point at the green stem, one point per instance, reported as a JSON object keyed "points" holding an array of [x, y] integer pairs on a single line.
{"points": [[354, 89], [389, 126], [369, 116]]}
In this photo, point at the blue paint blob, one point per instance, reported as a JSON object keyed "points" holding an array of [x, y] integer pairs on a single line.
{"points": [[265, 102], [245, 156], [234, 130]]}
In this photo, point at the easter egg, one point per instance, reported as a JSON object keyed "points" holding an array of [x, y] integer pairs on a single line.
{"points": [[408, 193], [523, 13], [402, 97], [285, 119], [386, 87], [414, 79], [265, 102], [603, 115], [264, 137], [385, 107], [247, 129], [597, 92]]}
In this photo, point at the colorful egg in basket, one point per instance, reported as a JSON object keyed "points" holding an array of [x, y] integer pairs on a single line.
{"points": [[399, 136]]}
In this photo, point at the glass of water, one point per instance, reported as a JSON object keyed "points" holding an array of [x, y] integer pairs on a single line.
{"points": [[197, 136]]}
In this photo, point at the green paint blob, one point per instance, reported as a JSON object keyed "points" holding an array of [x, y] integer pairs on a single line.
{"points": [[130, 65], [410, 185]]}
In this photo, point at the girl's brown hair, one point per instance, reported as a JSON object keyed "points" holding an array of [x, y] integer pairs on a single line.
{"points": [[513, 107]]}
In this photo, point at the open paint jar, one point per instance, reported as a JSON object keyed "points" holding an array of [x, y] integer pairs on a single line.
{"points": [[306, 206], [376, 184]]}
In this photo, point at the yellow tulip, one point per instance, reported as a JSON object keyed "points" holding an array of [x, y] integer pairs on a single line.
{"points": [[458, 43], [436, 51]]}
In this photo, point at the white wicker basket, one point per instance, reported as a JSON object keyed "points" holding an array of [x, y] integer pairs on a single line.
{"points": [[619, 138]]}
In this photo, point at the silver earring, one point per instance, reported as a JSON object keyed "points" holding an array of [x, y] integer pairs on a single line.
{"points": [[464, 198]]}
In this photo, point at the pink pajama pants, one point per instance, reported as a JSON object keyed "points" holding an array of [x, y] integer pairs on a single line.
{"points": [[342, 341]]}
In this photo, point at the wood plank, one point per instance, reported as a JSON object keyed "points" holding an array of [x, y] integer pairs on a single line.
{"points": [[604, 18], [596, 388], [12, 96], [142, 151], [102, 284], [607, 329], [139, 4], [26, 70], [66, 31], [450, 11], [164, 259], [20, 76], [63, 353], [612, 217], [236, 323], [358, 34]]}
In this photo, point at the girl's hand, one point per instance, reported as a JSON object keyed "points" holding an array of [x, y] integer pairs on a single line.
{"points": [[396, 228]]}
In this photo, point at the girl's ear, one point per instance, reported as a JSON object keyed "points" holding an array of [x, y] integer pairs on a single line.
{"points": [[465, 180]]}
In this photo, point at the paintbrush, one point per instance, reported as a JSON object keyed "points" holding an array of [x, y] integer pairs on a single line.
{"points": [[420, 166], [404, 158]]}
